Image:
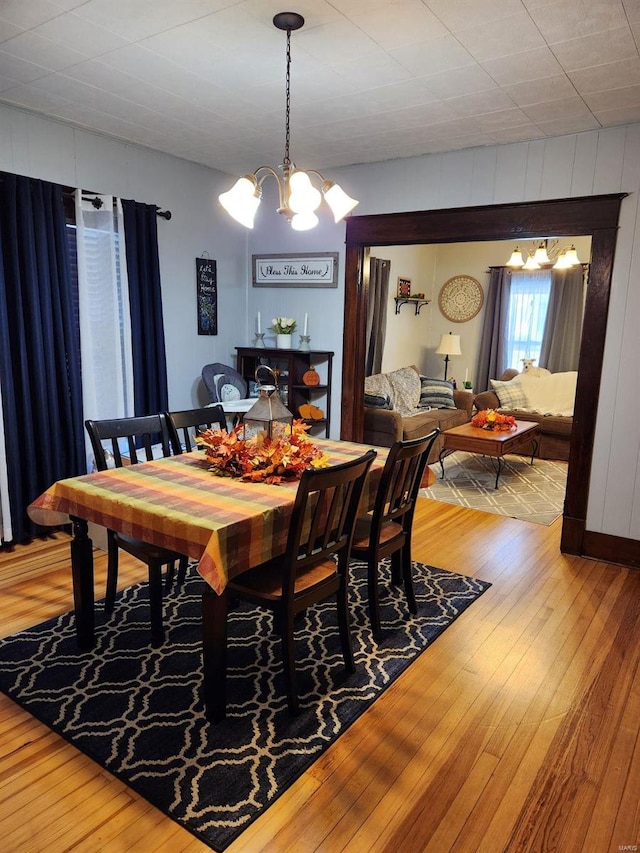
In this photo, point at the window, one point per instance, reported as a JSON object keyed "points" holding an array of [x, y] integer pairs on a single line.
{"points": [[96, 243], [528, 302]]}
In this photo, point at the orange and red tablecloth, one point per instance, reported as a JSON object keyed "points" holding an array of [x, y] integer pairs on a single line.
{"points": [[178, 503]]}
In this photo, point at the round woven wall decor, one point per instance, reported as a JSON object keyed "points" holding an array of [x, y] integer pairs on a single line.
{"points": [[460, 298]]}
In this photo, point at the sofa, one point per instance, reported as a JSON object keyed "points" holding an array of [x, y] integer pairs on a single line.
{"points": [[548, 400], [402, 404]]}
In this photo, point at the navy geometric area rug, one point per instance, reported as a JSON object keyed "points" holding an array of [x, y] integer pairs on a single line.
{"points": [[137, 710]]}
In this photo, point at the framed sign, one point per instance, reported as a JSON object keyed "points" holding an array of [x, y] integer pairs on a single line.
{"points": [[404, 286], [300, 270], [207, 296]]}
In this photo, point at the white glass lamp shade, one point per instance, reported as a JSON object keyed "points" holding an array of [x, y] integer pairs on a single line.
{"points": [[242, 201], [541, 256], [562, 263], [337, 199], [304, 221], [516, 259], [303, 196], [449, 345], [572, 257], [531, 263]]}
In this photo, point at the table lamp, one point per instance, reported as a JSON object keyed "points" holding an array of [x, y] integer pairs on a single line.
{"points": [[449, 345]]}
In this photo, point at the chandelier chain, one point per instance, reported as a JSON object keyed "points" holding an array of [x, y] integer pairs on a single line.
{"points": [[287, 161]]}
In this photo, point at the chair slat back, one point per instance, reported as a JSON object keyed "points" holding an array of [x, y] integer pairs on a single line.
{"points": [[185, 425], [138, 434], [324, 515], [400, 482]]}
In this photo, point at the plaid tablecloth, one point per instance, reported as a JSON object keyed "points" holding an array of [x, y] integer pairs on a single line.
{"points": [[178, 503]]}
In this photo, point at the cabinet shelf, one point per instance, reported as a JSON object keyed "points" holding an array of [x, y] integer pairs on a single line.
{"points": [[408, 300], [292, 364]]}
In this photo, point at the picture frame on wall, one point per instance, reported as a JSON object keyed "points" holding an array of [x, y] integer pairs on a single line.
{"points": [[207, 296], [313, 269], [404, 287]]}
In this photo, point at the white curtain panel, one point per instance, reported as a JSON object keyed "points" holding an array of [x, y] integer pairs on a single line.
{"points": [[105, 322], [6, 534]]}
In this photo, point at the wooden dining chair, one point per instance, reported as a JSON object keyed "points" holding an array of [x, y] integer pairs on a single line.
{"points": [[129, 441], [386, 530], [315, 563], [185, 425]]}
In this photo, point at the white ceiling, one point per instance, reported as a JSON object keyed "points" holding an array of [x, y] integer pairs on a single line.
{"points": [[371, 80]]}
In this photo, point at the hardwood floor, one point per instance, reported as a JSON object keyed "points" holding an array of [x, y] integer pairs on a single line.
{"points": [[516, 731]]}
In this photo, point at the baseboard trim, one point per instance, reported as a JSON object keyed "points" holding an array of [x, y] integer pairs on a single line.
{"points": [[611, 549], [598, 546]]}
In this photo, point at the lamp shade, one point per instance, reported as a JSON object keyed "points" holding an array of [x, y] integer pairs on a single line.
{"points": [[516, 259], [337, 199], [449, 345], [242, 201]]}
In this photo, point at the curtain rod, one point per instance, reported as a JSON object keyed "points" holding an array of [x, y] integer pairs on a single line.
{"points": [[97, 202]]}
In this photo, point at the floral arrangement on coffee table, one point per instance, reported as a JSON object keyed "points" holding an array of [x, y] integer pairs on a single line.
{"points": [[261, 458], [492, 420]]}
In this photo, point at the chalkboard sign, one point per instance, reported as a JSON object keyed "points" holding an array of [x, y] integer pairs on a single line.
{"points": [[207, 291]]}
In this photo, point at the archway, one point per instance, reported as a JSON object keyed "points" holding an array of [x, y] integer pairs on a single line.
{"points": [[593, 215]]}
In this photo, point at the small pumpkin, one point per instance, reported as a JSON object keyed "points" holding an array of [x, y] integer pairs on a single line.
{"points": [[311, 376]]}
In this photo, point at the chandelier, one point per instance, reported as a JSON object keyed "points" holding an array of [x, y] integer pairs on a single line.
{"points": [[544, 254], [298, 197]]}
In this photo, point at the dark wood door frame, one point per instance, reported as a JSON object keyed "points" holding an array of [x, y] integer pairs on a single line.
{"points": [[590, 215]]}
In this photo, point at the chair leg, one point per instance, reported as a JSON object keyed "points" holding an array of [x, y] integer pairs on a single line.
{"points": [[155, 603], [396, 568], [374, 598], [182, 569], [168, 580], [343, 626], [112, 573], [289, 661], [408, 580]]}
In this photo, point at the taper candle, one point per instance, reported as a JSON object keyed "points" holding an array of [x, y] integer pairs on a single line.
{"points": [[259, 326], [306, 323]]}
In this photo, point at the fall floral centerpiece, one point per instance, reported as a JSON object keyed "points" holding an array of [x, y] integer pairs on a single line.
{"points": [[260, 458], [492, 420]]}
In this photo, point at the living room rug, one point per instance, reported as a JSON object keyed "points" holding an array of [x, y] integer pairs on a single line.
{"points": [[137, 710], [528, 492]]}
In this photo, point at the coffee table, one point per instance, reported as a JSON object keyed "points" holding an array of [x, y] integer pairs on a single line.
{"points": [[489, 442]]}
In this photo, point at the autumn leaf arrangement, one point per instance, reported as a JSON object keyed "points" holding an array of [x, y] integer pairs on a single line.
{"points": [[262, 458], [492, 420]]}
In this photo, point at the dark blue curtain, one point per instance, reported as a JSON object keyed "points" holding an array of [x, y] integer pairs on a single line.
{"points": [[39, 345], [145, 298]]}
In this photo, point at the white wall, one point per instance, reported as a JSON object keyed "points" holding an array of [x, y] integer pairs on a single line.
{"points": [[36, 147]]}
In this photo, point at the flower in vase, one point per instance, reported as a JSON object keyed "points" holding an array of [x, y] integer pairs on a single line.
{"points": [[283, 325]]}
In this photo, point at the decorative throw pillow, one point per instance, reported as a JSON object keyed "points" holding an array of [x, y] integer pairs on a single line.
{"points": [[436, 394], [511, 394], [405, 385], [378, 386], [378, 401]]}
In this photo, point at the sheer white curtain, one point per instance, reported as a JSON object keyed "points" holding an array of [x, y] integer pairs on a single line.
{"points": [[528, 302], [6, 533], [105, 324]]}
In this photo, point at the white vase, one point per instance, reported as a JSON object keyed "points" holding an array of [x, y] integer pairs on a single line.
{"points": [[283, 341]]}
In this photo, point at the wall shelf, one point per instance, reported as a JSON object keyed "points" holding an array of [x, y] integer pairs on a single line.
{"points": [[408, 300]]}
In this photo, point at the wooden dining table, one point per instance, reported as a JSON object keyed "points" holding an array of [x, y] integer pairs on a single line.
{"points": [[177, 502]]}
